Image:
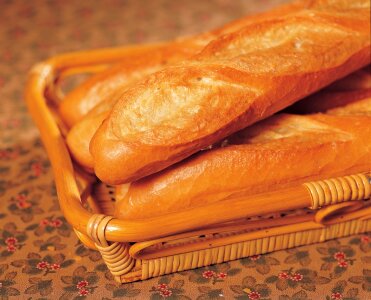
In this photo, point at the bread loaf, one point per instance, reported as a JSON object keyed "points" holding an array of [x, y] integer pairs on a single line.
{"points": [[103, 86], [279, 152], [341, 93], [148, 59], [237, 80], [85, 108]]}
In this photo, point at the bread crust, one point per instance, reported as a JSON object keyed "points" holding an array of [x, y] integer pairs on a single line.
{"points": [[326, 100], [237, 80], [105, 85], [359, 80], [362, 107], [279, 152], [345, 91], [79, 137], [86, 107]]}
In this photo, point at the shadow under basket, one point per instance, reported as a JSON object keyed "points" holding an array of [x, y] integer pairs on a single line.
{"points": [[140, 249]]}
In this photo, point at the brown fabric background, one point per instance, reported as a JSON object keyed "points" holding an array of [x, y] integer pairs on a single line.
{"points": [[40, 257]]}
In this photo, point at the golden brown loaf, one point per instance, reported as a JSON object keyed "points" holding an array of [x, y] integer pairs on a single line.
{"points": [[238, 79], [279, 152], [140, 62], [79, 137], [85, 108], [105, 85], [342, 92]]}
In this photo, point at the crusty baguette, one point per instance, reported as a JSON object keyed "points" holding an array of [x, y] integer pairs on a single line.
{"points": [[279, 152], [237, 80], [105, 85], [151, 58], [344, 91], [83, 109]]}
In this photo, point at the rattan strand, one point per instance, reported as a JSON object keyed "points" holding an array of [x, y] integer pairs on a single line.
{"points": [[115, 255], [332, 191], [201, 258]]}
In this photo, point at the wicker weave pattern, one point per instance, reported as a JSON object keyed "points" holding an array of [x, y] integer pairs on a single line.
{"points": [[196, 259], [115, 255], [336, 190], [117, 258]]}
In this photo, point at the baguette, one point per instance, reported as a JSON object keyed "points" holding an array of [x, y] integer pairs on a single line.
{"points": [[282, 151], [237, 80], [85, 108], [105, 85], [148, 59], [342, 92]]}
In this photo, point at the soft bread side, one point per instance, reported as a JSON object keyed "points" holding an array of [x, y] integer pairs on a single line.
{"points": [[358, 80], [350, 89], [238, 79], [79, 137], [361, 107], [326, 100], [279, 152]]}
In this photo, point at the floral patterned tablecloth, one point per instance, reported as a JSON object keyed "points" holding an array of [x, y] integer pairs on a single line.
{"points": [[40, 257]]}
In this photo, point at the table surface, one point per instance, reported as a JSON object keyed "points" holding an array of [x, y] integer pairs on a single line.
{"points": [[40, 257]]}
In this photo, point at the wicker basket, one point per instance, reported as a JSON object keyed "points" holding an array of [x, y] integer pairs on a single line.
{"points": [[140, 249]]}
